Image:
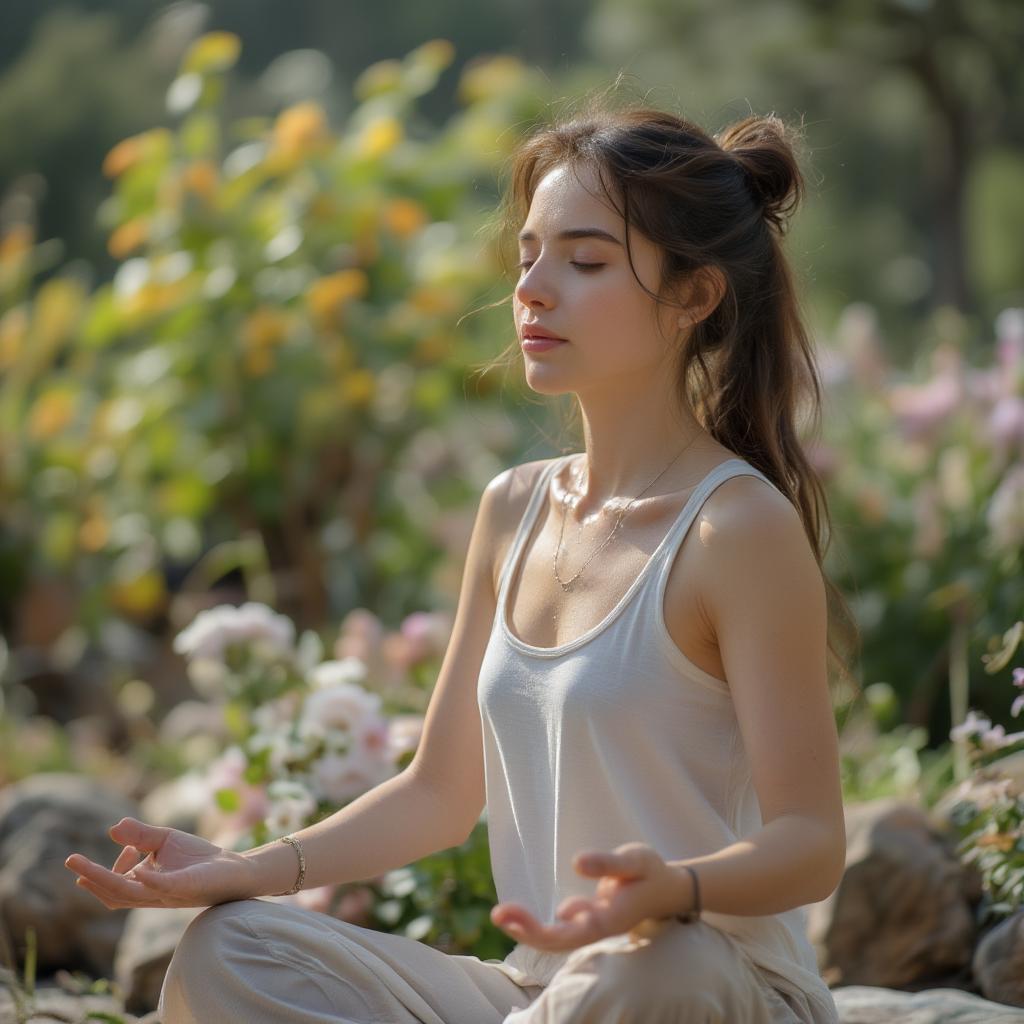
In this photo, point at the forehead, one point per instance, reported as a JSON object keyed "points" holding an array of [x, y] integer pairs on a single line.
{"points": [[569, 196]]}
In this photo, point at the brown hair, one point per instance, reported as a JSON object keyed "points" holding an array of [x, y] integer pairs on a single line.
{"points": [[725, 202]]}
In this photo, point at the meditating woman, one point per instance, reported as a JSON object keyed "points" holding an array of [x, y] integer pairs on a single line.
{"points": [[637, 683]]}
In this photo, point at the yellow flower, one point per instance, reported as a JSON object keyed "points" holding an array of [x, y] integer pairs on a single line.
{"points": [[380, 136], [51, 413], [404, 217], [328, 296], [13, 329], [258, 362], [264, 328], [486, 78], [128, 237], [214, 51], [358, 387], [140, 596]]}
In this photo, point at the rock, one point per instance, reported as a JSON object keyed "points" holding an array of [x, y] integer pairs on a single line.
{"points": [[43, 819], [866, 1004], [903, 912], [145, 950], [998, 960]]}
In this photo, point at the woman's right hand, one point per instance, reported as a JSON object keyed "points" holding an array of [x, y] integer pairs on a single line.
{"points": [[164, 867]]}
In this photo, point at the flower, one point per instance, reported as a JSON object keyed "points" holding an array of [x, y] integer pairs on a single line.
{"points": [[291, 804], [973, 725], [216, 629], [339, 778], [330, 674], [343, 706], [404, 734]]}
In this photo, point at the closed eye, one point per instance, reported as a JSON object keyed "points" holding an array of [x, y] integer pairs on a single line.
{"points": [[526, 264]]}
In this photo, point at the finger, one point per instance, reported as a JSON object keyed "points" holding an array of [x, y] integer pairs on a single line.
{"points": [[572, 906], [126, 859], [118, 887], [139, 834], [619, 864], [103, 897]]}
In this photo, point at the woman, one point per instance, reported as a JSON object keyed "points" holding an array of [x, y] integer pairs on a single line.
{"points": [[644, 707]]}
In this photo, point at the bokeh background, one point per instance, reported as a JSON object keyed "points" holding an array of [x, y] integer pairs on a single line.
{"points": [[251, 315]]}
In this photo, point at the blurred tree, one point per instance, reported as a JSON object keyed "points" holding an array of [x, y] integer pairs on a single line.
{"points": [[902, 100]]}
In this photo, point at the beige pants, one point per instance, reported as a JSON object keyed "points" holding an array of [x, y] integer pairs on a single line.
{"points": [[254, 961]]}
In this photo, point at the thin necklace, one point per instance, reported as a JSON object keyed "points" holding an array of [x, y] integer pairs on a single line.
{"points": [[566, 585]]}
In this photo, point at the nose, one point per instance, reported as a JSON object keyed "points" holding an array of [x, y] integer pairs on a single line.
{"points": [[533, 290]]}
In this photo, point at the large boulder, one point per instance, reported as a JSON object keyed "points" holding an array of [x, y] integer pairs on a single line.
{"points": [[43, 819], [866, 1004], [145, 950], [903, 913], [999, 961]]}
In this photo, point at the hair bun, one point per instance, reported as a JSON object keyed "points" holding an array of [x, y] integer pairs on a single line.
{"points": [[763, 146]]}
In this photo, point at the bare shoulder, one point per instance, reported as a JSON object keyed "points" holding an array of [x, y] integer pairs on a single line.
{"points": [[507, 496], [750, 531]]}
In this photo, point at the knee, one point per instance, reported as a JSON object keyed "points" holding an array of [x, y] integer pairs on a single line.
{"points": [[211, 938], [683, 974]]}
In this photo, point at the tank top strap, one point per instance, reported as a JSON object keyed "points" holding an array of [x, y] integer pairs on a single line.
{"points": [[540, 490], [723, 471]]}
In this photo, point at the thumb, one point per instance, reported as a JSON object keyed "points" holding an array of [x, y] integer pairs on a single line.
{"points": [[132, 832]]}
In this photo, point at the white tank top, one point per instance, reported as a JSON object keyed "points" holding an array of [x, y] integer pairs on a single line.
{"points": [[616, 737]]}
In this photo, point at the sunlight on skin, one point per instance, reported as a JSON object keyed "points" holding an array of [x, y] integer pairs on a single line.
{"points": [[634, 885]]}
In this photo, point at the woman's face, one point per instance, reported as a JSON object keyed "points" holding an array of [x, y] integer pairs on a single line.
{"points": [[576, 282]]}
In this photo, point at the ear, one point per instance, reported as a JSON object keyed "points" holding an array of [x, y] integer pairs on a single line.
{"points": [[704, 291]]}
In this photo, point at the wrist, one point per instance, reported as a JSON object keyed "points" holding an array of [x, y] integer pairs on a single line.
{"points": [[275, 867], [687, 904]]}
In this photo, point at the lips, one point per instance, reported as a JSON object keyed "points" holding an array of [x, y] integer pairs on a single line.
{"points": [[531, 331]]}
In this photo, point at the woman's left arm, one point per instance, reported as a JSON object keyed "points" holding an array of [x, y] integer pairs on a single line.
{"points": [[763, 594]]}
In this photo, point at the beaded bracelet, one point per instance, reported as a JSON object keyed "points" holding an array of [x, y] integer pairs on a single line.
{"points": [[692, 915], [292, 841]]}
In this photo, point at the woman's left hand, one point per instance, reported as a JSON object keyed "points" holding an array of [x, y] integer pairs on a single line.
{"points": [[634, 884]]}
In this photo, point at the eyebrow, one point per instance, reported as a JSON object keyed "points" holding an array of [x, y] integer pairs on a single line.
{"points": [[530, 236]]}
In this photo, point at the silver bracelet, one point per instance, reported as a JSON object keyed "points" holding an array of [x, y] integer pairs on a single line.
{"points": [[292, 841], [691, 915]]}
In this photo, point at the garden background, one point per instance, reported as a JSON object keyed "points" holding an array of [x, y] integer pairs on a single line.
{"points": [[251, 315]]}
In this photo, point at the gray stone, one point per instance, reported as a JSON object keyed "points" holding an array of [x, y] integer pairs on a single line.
{"points": [[866, 1004], [145, 950], [999, 959], [43, 819], [903, 912]]}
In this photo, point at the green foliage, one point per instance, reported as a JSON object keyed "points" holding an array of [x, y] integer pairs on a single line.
{"points": [[925, 494], [277, 341], [445, 900]]}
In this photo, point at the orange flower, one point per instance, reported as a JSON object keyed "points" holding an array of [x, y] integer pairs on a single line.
{"points": [[127, 153], [328, 296], [201, 177], [94, 533], [264, 328], [16, 243], [300, 130], [51, 413], [404, 217], [128, 237]]}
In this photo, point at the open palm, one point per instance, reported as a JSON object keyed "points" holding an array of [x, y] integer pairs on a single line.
{"points": [[165, 867]]}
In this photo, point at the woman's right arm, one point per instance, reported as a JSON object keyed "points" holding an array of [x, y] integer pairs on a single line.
{"points": [[430, 806]]}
